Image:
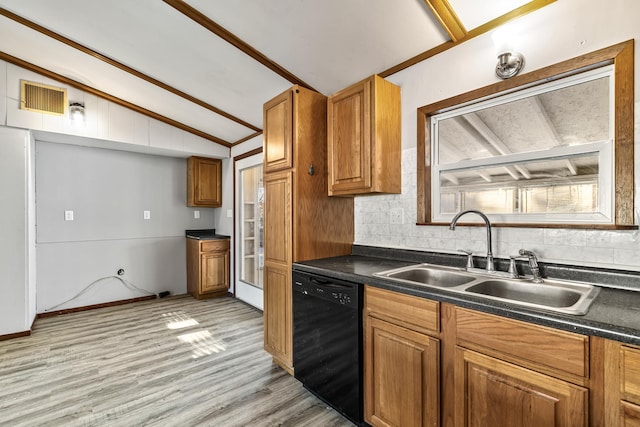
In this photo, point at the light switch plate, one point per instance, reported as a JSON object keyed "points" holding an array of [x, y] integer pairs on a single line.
{"points": [[68, 215], [146, 214], [196, 214], [229, 213]]}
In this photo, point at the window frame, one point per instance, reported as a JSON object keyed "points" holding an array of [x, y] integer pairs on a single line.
{"points": [[620, 57]]}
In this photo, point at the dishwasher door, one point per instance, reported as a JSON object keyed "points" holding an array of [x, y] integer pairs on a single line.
{"points": [[327, 341]]}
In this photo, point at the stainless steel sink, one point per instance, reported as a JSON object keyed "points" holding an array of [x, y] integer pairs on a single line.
{"points": [[560, 296], [430, 275], [553, 295]]}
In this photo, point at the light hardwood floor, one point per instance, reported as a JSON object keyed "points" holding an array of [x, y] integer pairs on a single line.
{"points": [[166, 362]]}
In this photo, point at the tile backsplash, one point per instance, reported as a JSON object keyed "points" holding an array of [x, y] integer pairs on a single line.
{"points": [[377, 217]]}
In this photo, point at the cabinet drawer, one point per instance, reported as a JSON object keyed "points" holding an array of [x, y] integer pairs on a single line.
{"points": [[630, 374], [418, 314], [536, 346], [214, 245]]}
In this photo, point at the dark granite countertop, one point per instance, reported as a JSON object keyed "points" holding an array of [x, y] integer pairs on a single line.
{"points": [[206, 234], [615, 313]]}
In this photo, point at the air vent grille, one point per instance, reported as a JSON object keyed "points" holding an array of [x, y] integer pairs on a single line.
{"points": [[42, 98]]}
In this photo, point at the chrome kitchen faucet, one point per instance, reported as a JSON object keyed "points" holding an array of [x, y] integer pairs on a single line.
{"points": [[490, 267]]}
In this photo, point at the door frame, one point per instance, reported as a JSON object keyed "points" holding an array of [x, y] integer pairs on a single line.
{"points": [[242, 290]]}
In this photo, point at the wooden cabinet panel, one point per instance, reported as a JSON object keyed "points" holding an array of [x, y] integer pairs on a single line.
{"points": [[214, 245], [562, 353], [493, 393], [278, 314], [402, 383], [278, 136], [277, 221], [350, 138], [630, 374], [204, 182], [214, 272], [629, 414], [418, 314], [364, 138], [207, 268]]}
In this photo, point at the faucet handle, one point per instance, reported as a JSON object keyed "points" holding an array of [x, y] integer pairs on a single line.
{"points": [[533, 259], [469, 257]]}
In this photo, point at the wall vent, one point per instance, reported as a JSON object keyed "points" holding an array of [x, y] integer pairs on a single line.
{"points": [[42, 98]]}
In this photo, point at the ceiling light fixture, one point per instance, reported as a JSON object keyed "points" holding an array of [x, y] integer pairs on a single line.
{"points": [[509, 64], [76, 112]]}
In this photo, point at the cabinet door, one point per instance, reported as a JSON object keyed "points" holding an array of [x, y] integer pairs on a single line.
{"points": [[277, 267], [277, 218], [629, 414], [204, 182], [215, 271], [278, 132], [349, 140], [402, 384], [277, 314], [493, 393]]}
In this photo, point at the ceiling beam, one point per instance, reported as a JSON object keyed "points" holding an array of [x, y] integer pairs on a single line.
{"points": [[485, 28], [448, 18], [549, 129], [88, 89], [197, 16], [123, 67]]}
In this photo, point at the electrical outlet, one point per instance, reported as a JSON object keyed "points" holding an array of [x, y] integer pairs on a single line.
{"points": [[146, 214], [68, 215], [396, 216], [196, 214], [229, 213]]}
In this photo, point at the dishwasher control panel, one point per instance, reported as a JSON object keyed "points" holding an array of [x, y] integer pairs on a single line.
{"points": [[338, 291]]}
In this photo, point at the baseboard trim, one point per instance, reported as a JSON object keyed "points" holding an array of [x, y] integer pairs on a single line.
{"points": [[94, 306], [15, 335]]}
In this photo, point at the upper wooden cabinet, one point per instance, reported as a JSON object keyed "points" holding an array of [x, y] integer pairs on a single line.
{"points": [[278, 127], [364, 145], [301, 222], [204, 182]]}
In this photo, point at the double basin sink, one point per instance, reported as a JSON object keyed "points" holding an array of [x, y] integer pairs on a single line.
{"points": [[559, 296]]}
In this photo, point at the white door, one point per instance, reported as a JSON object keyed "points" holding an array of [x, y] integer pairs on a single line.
{"points": [[249, 230]]}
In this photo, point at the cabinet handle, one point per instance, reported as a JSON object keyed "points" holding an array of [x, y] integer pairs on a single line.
{"points": [[312, 170]]}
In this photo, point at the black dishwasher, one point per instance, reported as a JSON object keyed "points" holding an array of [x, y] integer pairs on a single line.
{"points": [[327, 341]]}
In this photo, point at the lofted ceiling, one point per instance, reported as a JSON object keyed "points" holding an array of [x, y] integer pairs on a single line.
{"points": [[208, 66]]}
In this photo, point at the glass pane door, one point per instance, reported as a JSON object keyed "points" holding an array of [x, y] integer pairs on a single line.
{"points": [[251, 226]]}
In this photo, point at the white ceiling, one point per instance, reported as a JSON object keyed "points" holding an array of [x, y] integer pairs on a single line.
{"points": [[179, 69]]}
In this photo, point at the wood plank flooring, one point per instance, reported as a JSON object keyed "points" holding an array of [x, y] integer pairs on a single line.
{"points": [[166, 362]]}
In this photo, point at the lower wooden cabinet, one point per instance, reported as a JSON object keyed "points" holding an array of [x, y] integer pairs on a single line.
{"points": [[207, 268], [429, 363], [278, 318], [622, 396], [401, 360], [494, 393], [402, 374]]}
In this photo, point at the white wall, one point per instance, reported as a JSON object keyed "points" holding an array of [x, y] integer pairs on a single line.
{"points": [[16, 308], [106, 125], [108, 191], [560, 31]]}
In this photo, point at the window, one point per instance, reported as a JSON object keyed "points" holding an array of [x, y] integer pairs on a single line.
{"points": [[540, 149]]}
